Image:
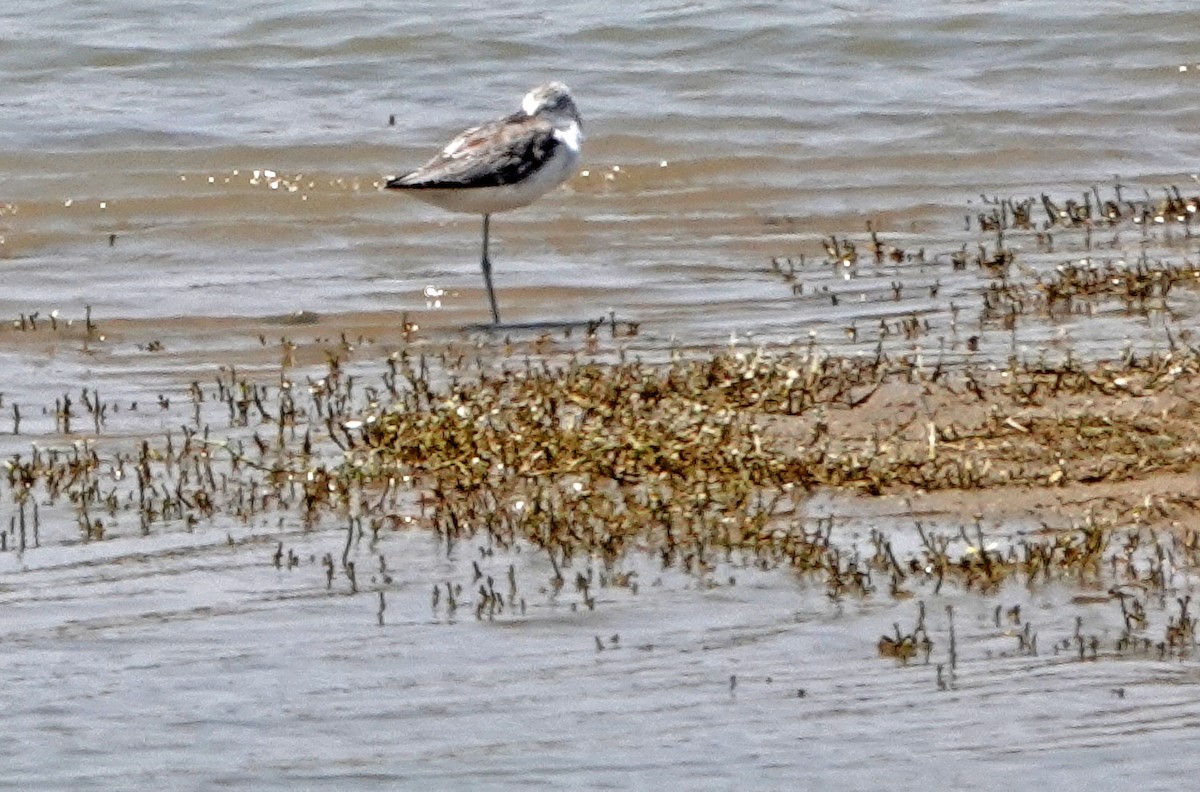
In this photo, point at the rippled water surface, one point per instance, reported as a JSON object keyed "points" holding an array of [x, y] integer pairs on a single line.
{"points": [[205, 176], [707, 125]]}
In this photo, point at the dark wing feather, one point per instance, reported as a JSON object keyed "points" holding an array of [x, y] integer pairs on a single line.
{"points": [[493, 155]]}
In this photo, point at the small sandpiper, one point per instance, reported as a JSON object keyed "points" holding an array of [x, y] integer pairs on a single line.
{"points": [[502, 165]]}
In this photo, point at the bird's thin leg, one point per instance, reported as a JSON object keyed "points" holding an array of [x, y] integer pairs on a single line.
{"points": [[486, 264]]}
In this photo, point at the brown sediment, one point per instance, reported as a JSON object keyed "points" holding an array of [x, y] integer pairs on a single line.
{"points": [[702, 460], [876, 427], [698, 457], [697, 461]]}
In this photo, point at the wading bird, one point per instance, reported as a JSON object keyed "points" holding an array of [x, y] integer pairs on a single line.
{"points": [[502, 165]]}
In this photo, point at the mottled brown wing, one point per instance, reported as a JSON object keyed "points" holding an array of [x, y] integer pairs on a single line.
{"points": [[493, 155]]}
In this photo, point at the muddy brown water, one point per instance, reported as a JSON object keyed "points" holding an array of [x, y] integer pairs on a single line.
{"points": [[205, 178]]}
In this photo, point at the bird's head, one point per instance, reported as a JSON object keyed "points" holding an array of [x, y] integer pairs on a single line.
{"points": [[552, 100]]}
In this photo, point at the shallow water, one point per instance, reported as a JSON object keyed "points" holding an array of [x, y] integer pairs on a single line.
{"points": [[720, 135], [190, 657]]}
